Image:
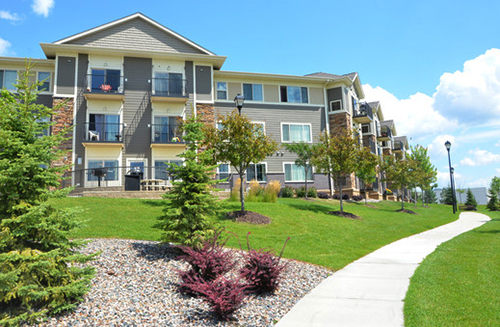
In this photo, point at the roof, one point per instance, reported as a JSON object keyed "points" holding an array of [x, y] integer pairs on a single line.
{"points": [[352, 77]]}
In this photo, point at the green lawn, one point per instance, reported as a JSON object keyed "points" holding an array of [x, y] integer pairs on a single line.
{"points": [[316, 237], [458, 284]]}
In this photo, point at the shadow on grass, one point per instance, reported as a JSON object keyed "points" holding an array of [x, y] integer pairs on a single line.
{"points": [[154, 203], [488, 231], [318, 208], [156, 251]]}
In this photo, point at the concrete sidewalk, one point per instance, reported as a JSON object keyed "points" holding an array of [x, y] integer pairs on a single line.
{"points": [[371, 290]]}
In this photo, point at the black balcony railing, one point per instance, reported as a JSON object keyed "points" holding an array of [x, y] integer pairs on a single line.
{"points": [[169, 87], [385, 132], [162, 133], [364, 111], [103, 132], [371, 145], [104, 83]]}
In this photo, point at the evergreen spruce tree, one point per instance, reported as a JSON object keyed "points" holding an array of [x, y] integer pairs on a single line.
{"points": [[471, 200], [40, 267], [446, 196], [430, 196], [493, 192], [186, 214], [493, 204]]}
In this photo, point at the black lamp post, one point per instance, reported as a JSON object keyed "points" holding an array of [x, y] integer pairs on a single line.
{"points": [[238, 101], [448, 146]]}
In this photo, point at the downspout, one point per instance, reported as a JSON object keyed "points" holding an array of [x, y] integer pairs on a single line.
{"points": [[327, 123]]}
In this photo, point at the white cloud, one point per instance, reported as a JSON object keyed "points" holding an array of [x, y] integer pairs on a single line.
{"points": [[480, 158], [436, 148], [473, 94], [414, 117], [42, 7], [480, 182], [8, 16], [4, 47]]}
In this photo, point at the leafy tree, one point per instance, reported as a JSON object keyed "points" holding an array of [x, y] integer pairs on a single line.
{"points": [[401, 172], [494, 193], [460, 191], [471, 199], [39, 264], [366, 169], [240, 143], [336, 155], [185, 218], [425, 172], [446, 196], [304, 152]]}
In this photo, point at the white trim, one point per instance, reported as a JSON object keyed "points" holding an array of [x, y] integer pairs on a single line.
{"points": [[287, 86], [228, 172], [127, 18], [216, 98], [330, 106], [243, 92], [260, 122], [168, 160], [143, 160], [295, 104], [73, 150], [55, 75], [293, 163], [285, 123]]}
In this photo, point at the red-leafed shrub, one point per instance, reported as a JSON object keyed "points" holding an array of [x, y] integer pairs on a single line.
{"points": [[207, 263], [225, 296], [262, 269]]}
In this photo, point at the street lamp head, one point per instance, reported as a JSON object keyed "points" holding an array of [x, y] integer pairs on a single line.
{"points": [[238, 101], [447, 145], [452, 170]]}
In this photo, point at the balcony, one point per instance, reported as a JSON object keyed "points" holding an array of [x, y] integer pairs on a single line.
{"points": [[104, 86], [163, 134], [384, 134], [173, 90], [103, 133], [371, 145], [397, 146], [363, 115]]}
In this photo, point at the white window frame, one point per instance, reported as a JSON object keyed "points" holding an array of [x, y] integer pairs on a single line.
{"points": [[257, 163], [217, 91], [301, 181], [228, 171], [144, 160], [287, 97], [263, 123], [253, 84], [38, 79], [169, 160], [10, 87], [335, 101], [285, 123]]}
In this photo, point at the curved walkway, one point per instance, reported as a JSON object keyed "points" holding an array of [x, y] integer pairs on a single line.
{"points": [[371, 290]]}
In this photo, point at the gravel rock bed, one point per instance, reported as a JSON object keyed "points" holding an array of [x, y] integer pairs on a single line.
{"points": [[136, 285]]}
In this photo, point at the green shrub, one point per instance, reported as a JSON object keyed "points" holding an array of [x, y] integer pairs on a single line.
{"points": [[301, 192], [287, 192], [312, 192]]}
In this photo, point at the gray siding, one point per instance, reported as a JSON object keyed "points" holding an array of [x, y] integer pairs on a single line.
{"points": [[137, 109], [190, 87], [45, 99], [81, 116], [136, 34], [204, 83], [273, 116], [335, 94], [66, 75]]}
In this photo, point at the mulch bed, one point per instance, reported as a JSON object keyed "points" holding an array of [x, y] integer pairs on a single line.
{"points": [[344, 214], [248, 217], [407, 211]]}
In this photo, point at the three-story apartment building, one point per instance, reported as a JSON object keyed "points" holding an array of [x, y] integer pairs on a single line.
{"points": [[125, 85]]}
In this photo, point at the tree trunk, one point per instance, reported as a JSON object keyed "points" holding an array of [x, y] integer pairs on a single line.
{"points": [[403, 198], [242, 194], [305, 181], [364, 189], [331, 185], [415, 197]]}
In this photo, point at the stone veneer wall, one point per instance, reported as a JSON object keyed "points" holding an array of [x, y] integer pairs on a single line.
{"points": [[63, 118], [339, 122], [206, 112], [386, 151]]}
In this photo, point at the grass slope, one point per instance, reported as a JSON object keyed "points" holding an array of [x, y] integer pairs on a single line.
{"points": [[316, 237], [457, 285]]}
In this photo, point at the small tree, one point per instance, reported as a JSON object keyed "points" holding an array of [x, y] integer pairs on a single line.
{"points": [[240, 143], [471, 199], [493, 204], [304, 152], [425, 172], [185, 218], [493, 194], [446, 196], [430, 196], [336, 155], [366, 169], [460, 191], [400, 172], [40, 266], [495, 186]]}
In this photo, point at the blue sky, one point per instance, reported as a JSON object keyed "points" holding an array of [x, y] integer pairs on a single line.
{"points": [[434, 65]]}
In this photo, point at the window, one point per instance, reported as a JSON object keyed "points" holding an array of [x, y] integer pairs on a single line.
{"points": [[294, 94], [8, 79], [161, 168], [45, 78], [104, 127], [221, 91], [354, 105], [45, 131], [257, 172], [296, 132], [224, 171], [110, 77], [365, 128], [111, 169], [252, 92], [335, 105], [167, 84], [294, 173], [164, 129]]}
